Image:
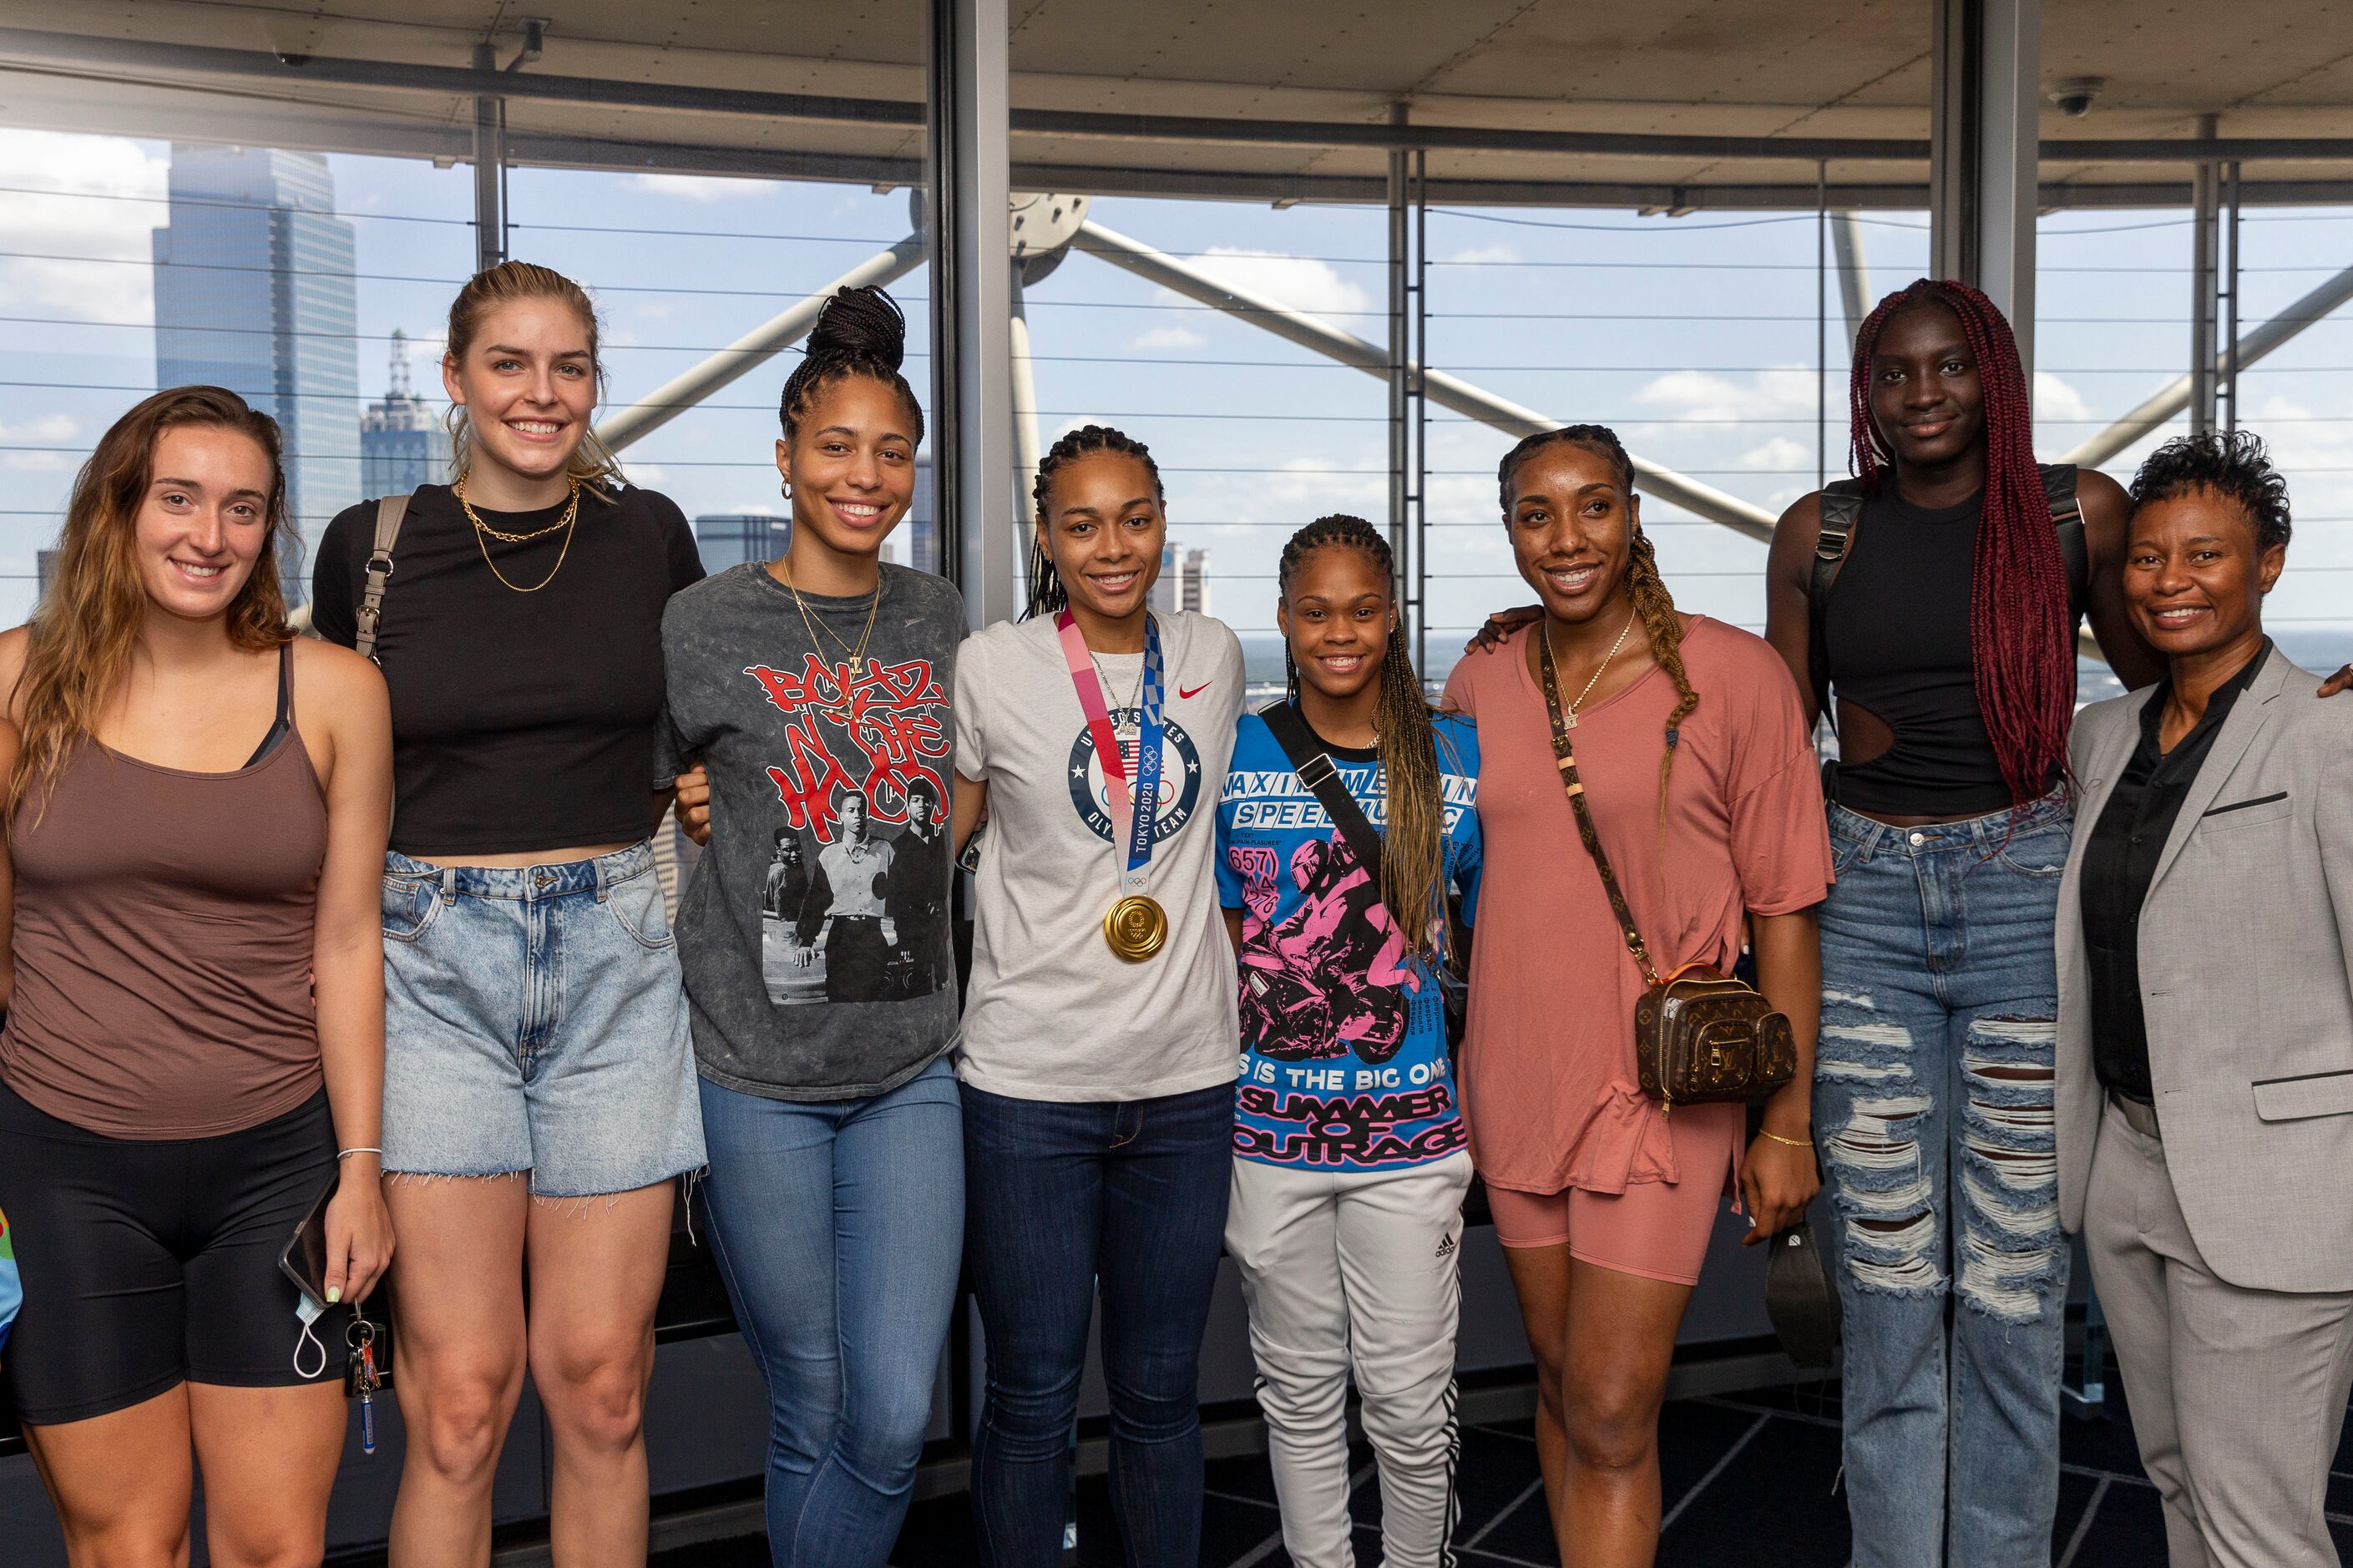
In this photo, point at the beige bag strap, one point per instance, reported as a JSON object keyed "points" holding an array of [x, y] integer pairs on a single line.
{"points": [[388, 513]]}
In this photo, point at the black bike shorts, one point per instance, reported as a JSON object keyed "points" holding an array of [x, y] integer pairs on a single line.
{"points": [[147, 1265]]}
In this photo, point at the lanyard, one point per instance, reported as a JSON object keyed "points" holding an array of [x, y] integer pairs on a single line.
{"points": [[1132, 810]]}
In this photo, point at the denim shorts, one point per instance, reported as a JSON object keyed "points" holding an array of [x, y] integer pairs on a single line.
{"points": [[535, 1020]]}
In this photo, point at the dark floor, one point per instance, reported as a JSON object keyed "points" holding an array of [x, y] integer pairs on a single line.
{"points": [[1750, 1479]]}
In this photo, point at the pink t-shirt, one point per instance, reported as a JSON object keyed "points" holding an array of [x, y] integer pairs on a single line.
{"points": [[1548, 1081]]}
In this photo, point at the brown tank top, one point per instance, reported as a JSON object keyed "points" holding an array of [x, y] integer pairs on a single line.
{"points": [[163, 929]]}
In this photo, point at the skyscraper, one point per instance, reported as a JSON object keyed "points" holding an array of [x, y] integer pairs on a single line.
{"points": [[402, 445], [921, 528], [731, 538], [1183, 580], [254, 292]]}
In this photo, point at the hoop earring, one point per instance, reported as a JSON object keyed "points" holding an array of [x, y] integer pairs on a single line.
{"points": [[788, 488]]}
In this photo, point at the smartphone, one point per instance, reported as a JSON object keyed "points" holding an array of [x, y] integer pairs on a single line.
{"points": [[970, 860], [304, 1258]]}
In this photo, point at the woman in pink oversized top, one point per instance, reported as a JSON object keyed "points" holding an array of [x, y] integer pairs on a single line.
{"points": [[1701, 777]]}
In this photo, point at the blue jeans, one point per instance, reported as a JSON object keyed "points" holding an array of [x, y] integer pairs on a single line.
{"points": [[1127, 1199], [1933, 1112], [838, 1226]]}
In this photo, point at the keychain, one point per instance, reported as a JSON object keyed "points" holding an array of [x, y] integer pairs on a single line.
{"points": [[360, 1380]]}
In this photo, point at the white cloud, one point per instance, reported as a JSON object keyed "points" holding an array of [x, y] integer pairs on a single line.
{"points": [[1782, 391], [82, 224], [1300, 282], [1474, 255], [1168, 338], [1779, 455], [703, 188], [42, 430], [2054, 399]]}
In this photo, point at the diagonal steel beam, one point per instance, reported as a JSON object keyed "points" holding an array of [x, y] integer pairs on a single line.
{"points": [[2175, 396], [1512, 418], [751, 350]]}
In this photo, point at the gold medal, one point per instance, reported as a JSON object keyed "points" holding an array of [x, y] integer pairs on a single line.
{"points": [[1136, 928]]}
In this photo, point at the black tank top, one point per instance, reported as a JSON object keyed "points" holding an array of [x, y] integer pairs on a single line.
{"points": [[1898, 630]]}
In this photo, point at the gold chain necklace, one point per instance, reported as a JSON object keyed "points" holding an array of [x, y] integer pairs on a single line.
{"points": [[1568, 719], [571, 516], [856, 654]]}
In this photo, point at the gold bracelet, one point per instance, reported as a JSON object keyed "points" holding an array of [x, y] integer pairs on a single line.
{"points": [[1792, 1142]]}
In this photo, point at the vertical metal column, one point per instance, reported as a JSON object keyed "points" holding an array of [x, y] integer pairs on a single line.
{"points": [[1985, 117], [2204, 305], [490, 170], [1408, 350], [1399, 368], [1420, 390], [1821, 325], [2231, 301], [1026, 448], [972, 303], [1854, 277]]}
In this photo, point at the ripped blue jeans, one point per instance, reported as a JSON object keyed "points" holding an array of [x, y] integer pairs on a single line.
{"points": [[1933, 1114]]}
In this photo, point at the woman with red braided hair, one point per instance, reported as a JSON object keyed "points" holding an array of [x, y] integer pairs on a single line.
{"points": [[1937, 594]]}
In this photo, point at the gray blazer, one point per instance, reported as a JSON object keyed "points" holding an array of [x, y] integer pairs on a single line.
{"points": [[2247, 942]]}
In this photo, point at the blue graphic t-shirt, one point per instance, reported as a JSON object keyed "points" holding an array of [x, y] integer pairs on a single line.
{"points": [[1343, 1035]]}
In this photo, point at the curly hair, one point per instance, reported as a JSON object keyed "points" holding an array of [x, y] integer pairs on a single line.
{"points": [[2235, 468], [2020, 646], [1652, 603], [1413, 847], [859, 331], [1046, 594]]}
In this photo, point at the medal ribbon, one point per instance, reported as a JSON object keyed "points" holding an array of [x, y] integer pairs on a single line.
{"points": [[1131, 808]]}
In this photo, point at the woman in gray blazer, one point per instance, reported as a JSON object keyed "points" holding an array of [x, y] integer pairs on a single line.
{"points": [[2205, 1087]]}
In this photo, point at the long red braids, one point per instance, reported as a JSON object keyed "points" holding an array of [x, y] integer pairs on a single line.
{"points": [[2018, 612]]}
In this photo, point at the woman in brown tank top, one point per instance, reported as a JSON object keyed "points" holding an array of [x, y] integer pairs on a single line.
{"points": [[195, 990]]}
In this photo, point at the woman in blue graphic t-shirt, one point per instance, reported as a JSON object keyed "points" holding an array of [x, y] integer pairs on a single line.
{"points": [[1350, 1158]]}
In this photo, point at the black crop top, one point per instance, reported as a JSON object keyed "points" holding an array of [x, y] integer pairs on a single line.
{"points": [[521, 722], [1898, 636]]}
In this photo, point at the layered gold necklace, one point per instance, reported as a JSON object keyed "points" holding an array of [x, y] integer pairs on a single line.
{"points": [[484, 533], [858, 654]]}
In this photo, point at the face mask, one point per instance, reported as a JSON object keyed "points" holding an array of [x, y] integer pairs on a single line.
{"points": [[309, 1311]]}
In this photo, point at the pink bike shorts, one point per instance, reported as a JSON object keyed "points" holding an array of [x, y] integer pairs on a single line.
{"points": [[1659, 1231]]}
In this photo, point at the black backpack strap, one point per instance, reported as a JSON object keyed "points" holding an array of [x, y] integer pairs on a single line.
{"points": [[2059, 488], [1841, 508], [1323, 780]]}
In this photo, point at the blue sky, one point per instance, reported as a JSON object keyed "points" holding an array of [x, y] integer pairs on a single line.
{"points": [[1694, 336]]}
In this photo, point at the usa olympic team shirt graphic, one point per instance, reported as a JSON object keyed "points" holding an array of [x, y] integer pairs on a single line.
{"points": [[1342, 1034], [1051, 1013]]}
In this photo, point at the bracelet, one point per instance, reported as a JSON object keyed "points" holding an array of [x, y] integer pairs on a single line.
{"points": [[349, 1152], [1792, 1142]]}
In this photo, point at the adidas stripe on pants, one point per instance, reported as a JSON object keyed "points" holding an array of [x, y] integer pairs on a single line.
{"points": [[1355, 1272]]}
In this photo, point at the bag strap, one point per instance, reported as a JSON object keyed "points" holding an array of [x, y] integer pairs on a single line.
{"points": [[1841, 506], [2059, 488], [1314, 769], [1564, 758], [388, 514]]}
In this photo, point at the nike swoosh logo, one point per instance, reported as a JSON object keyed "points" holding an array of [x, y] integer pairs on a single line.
{"points": [[1196, 690]]}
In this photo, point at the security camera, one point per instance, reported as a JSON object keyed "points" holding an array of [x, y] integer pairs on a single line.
{"points": [[2074, 96]]}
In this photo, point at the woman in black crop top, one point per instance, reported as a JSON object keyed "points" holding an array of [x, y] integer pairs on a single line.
{"points": [[539, 1086], [1949, 640]]}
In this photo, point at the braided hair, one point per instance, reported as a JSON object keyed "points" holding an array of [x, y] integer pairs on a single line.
{"points": [[1413, 847], [2018, 612], [1652, 604], [1046, 594], [859, 331]]}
